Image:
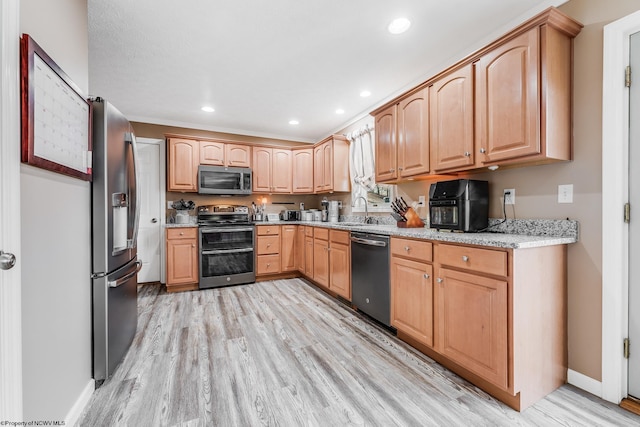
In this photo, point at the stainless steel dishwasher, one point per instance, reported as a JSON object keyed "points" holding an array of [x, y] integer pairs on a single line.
{"points": [[370, 275]]}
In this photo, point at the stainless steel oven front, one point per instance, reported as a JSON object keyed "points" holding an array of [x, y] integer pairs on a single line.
{"points": [[226, 255]]}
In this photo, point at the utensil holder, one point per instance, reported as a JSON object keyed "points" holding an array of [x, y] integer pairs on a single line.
{"points": [[413, 220]]}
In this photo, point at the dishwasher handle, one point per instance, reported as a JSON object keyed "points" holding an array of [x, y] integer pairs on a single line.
{"points": [[369, 242]]}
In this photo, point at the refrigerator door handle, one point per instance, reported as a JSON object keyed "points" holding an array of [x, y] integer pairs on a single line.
{"points": [[124, 279], [130, 137]]}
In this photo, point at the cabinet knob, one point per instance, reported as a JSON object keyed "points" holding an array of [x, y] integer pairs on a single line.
{"points": [[193, 245], [483, 150], [440, 280], [268, 244], [467, 154], [407, 248], [268, 265], [426, 276], [400, 168], [465, 258], [182, 233]]}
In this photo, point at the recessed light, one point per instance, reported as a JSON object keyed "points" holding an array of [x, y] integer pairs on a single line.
{"points": [[293, 122], [207, 109], [365, 93], [399, 25], [339, 111]]}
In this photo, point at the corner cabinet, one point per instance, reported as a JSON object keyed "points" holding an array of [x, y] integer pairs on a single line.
{"points": [[331, 165], [182, 259], [183, 159]]}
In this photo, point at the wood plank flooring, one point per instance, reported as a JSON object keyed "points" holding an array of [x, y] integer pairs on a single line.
{"points": [[282, 353]]}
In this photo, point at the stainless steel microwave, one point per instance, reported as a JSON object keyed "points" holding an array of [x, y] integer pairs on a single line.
{"points": [[222, 180]]}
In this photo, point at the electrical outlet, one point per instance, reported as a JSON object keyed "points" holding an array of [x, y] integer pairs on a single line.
{"points": [[509, 196], [565, 193], [421, 200], [169, 204]]}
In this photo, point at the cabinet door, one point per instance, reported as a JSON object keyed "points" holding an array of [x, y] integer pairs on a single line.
{"points": [[412, 299], [288, 248], [184, 156], [238, 156], [340, 270], [451, 120], [303, 170], [327, 154], [472, 323], [413, 134], [386, 145], [308, 256], [318, 169], [182, 261], [508, 99], [212, 153], [281, 174], [300, 248], [262, 169], [321, 262]]}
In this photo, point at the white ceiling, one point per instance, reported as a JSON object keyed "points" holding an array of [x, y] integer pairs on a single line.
{"points": [[261, 63]]}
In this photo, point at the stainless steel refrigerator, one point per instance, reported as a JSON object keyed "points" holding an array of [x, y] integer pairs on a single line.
{"points": [[115, 223]]}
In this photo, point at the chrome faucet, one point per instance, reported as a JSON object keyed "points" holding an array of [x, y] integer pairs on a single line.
{"points": [[366, 208]]}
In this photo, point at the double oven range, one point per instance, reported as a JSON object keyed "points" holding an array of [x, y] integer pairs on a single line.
{"points": [[226, 246]]}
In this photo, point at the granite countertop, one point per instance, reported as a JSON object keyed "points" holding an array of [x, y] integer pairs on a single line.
{"points": [[512, 234]]}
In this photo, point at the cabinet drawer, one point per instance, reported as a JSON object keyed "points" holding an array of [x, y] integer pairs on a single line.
{"points": [[182, 233], [413, 249], [308, 231], [321, 233], [337, 236], [268, 230], [268, 264], [481, 260], [268, 245]]}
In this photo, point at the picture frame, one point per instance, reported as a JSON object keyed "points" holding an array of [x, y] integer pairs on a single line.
{"points": [[55, 116]]}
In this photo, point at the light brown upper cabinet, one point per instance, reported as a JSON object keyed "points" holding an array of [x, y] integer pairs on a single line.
{"points": [[224, 154], [183, 158], [413, 134], [452, 120], [302, 170], [507, 103], [271, 170], [523, 96], [386, 144], [331, 165], [402, 138]]}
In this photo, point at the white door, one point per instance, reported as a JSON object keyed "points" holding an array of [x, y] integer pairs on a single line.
{"points": [[150, 237], [10, 301], [634, 225]]}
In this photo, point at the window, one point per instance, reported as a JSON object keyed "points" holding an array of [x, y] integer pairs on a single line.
{"points": [[379, 198]]}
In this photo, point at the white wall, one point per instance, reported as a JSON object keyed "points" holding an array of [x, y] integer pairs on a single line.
{"points": [[56, 238]]}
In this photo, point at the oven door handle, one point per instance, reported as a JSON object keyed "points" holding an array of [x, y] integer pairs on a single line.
{"points": [[225, 230], [227, 251]]}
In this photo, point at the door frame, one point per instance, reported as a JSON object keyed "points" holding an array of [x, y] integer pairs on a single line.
{"points": [[615, 185], [163, 196], [10, 281]]}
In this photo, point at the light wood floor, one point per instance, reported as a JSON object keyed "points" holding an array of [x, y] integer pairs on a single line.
{"points": [[284, 353]]}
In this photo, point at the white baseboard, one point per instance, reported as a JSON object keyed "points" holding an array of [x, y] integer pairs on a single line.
{"points": [[584, 382], [76, 411]]}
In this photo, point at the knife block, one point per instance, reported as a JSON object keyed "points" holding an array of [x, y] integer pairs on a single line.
{"points": [[413, 220]]}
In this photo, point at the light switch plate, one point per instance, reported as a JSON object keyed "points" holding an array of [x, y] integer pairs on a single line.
{"points": [[565, 193], [421, 200]]}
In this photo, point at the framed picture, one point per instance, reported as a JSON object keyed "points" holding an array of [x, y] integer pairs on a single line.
{"points": [[56, 117]]}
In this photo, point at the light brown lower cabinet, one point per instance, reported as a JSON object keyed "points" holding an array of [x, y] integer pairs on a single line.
{"points": [[182, 259], [267, 249], [300, 248], [321, 256], [412, 288], [288, 248], [340, 263]]}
